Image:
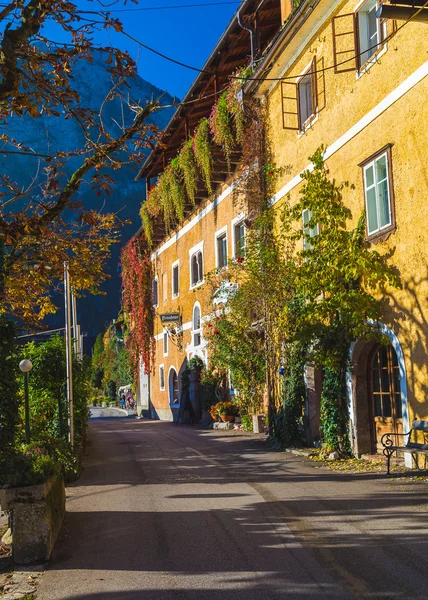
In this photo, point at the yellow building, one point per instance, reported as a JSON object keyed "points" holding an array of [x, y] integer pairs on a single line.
{"points": [[331, 74], [341, 77], [211, 233]]}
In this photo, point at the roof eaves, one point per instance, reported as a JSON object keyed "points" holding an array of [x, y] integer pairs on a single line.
{"points": [[204, 70], [290, 28]]}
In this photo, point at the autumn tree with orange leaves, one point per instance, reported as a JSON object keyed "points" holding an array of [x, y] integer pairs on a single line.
{"points": [[44, 223]]}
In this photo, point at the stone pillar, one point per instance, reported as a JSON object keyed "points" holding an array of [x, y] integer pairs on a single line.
{"points": [[37, 515]]}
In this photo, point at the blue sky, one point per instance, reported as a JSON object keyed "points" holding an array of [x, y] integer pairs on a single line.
{"points": [[186, 34]]}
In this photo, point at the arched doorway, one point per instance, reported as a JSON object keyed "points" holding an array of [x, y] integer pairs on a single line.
{"points": [[376, 375], [385, 404], [173, 388]]}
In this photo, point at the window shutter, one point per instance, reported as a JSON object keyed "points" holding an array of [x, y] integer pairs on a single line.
{"points": [[290, 105], [345, 42], [314, 82], [194, 270], [175, 280], [200, 267]]}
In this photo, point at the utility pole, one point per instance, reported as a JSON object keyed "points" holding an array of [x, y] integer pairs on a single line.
{"points": [[69, 354], [76, 328]]}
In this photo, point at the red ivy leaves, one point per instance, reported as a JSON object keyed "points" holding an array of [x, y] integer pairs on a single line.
{"points": [[137, 299]]}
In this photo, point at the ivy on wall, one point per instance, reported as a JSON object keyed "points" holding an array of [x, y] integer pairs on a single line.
{"points": [[178, 183], [137, 301]]}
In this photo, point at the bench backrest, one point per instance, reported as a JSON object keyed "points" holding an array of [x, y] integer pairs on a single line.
{"points": [[419, 425]]}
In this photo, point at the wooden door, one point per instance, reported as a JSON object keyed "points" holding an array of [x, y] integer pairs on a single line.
{"points": [[386, 408]]}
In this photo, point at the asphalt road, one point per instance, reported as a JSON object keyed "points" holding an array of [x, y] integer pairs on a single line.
{"points": [[169, 512]]}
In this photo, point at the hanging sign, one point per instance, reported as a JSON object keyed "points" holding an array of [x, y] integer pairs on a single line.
{"points": [[170, 317]]}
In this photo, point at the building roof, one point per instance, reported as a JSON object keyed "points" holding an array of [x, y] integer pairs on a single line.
{"points": [[232, 51]]}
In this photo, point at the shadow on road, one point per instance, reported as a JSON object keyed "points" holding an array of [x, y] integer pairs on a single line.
{"points": [[198, 516]]}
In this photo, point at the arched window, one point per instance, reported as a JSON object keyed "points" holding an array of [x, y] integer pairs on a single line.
{"points": [[173, 387], [196, 325]]}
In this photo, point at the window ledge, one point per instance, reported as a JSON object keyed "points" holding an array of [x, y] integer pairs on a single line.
{"points": [[308, 125], [371, 61], [196, 285], [381, 236], [175, 296]]}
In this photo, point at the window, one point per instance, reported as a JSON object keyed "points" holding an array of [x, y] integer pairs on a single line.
{"points": [[196, 325], [300, 100], [221, 248], [175, 279], [161, 377], [370, 31], [386, 392], [239, 239], [173, 387], [196, 265], [357, 37], [164, 287], [309, 232], [378, 192], [155, 298], [165, 343], [306, 99]]}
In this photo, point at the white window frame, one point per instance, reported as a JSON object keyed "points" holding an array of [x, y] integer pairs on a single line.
{"points": [[165, 339], [162, 368], [313, 118], [219, 234], [235, 222], [198, 248], [311, 231], [382, 46], [372, 164], [175, 264], [171, 396], [156, 278], [196, 331]]}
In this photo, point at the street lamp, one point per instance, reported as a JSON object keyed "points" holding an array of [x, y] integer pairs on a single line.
{"points": [[26, 366]]}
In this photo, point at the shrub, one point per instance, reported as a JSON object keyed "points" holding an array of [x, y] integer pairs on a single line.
{"points": [[247, 422]]}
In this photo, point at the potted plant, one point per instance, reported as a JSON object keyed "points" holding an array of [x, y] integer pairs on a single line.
{"points": [[227, 411]]}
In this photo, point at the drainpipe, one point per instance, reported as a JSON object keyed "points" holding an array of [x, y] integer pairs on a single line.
{"points": [[251, 32]]}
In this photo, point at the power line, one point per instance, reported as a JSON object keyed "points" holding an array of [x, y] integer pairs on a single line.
{"points": [[353, 58], [147, 8]]}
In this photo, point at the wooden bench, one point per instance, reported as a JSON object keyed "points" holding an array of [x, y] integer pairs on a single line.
{"points": [[413, 448]]}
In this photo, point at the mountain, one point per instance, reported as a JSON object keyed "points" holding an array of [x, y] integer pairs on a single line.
{"points": [[51, 134]]}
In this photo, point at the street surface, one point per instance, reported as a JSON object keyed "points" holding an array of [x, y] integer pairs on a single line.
{"points": [[166, 512]]}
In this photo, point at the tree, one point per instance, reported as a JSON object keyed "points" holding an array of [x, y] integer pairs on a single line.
{"points": [[336, 281], [251, 328], [44, 223]]}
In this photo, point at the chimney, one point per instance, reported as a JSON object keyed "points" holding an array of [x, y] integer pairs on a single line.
{"points": [[286, 10]]}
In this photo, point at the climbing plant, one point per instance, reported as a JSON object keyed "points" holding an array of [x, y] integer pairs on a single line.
{"points": [[137, 300], [186, 162], [202, 150], [221, 126], [179, 180], [248, 333], [287, 430], [338, 276]]}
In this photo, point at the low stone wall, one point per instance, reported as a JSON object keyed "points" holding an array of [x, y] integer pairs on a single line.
{"points": [[37, 515]]}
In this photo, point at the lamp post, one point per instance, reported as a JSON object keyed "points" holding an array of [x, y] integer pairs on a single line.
{"points": [[26, 366]]}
